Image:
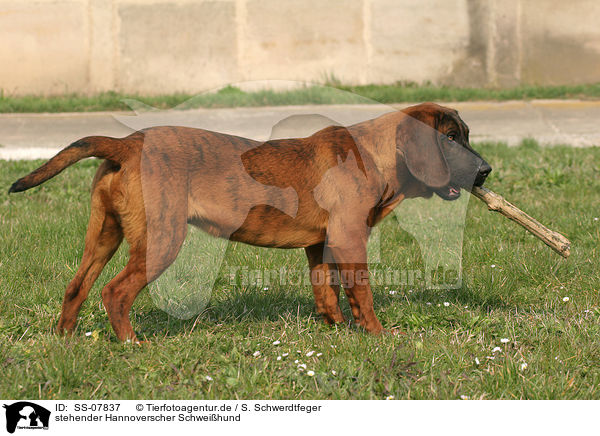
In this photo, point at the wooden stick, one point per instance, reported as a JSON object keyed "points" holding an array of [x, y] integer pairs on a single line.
{"points": [[497, 203]]}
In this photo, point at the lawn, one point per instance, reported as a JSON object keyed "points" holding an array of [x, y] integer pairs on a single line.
{"points": [[514, 287], [333, 92]]}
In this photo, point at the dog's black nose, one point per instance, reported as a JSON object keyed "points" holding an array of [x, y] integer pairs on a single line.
{"points": [[484, 170]]}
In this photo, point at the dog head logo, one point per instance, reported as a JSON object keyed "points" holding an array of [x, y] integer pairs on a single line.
{"points": [[26, 415]]}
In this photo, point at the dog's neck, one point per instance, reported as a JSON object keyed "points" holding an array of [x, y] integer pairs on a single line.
{"points": [[377, 138]]}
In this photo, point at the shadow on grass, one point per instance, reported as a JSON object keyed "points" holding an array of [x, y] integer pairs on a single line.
{"points": [[234, 307], [246, 307]]}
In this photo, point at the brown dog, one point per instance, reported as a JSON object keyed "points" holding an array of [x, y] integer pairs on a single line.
{"points": [[322, 193]]}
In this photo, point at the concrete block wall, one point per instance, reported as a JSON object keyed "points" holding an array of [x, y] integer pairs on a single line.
{"points": [[160, 46]]}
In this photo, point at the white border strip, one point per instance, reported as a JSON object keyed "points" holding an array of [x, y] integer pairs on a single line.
{"points": [[260, 417]]}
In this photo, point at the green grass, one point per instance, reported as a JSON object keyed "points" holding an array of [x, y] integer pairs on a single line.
{"points": [[333, 93], [521, 299]]}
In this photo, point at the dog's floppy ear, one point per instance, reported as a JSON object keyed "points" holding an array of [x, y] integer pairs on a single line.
{"points": [[423, 155]]}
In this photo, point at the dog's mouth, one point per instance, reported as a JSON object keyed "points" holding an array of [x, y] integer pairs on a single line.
{"points": [[450, 192]]}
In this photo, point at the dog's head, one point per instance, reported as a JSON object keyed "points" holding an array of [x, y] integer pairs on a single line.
{"points": [[434, 141]]}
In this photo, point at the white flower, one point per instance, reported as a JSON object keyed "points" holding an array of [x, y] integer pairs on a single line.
{"points": [[446, 304], [504, 340], [88, 333], [477, 361], [310, 353], [276, 342], [493, 266], [296, 361], [298, 351], [586, 311], [256, 353], [333, 346], [333, 372], [310, 373], [490, 357], [209, 378], [285, 354], [410, 291], [278, 357], [464, 397], [565, 299], [389, 397], [523, 366], [302, 367], [496, 349], [265, 288], [595, 219], [319, 354], [562, 287], [392, 292]]}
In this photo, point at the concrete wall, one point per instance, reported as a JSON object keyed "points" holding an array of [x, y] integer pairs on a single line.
{"points": [[159, 46]]}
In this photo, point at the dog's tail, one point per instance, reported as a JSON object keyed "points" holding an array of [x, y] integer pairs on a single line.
{"points": [[113, 149]]}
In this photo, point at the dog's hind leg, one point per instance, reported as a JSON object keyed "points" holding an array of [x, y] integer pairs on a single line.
{"points": [[155, 226], [118, 295], [143, 267], [325, 286], [104, 235]]}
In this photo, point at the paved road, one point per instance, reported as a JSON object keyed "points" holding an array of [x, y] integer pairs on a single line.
{"points": [[31, 136]]}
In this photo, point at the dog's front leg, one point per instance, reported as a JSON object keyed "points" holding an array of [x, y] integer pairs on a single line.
{"points": [[355, 280], [347, 242], [325, 284]]}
